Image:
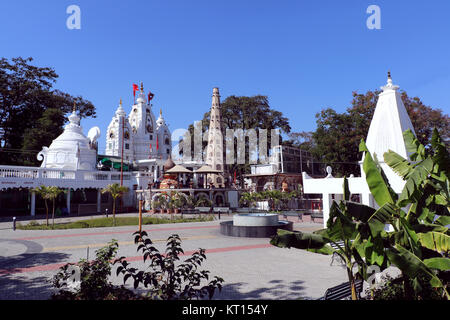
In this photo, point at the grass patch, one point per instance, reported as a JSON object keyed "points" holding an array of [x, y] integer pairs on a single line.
{"points": [[108, 222]]}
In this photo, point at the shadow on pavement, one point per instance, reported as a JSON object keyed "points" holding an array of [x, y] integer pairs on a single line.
{"points": [[26, 285], [276, 290]]}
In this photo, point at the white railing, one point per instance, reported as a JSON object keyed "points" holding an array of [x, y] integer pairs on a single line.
{"points": [[27, 176]]}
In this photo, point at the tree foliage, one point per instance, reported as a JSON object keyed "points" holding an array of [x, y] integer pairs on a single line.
{"points": [[31, 110]]}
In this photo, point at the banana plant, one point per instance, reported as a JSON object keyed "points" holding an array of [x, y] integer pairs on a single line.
{"points": [[419, 243], [338, 238]]}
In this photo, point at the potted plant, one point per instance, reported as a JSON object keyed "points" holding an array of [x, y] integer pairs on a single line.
{"points": [[156, 206], [164, 203], [203, 204]]}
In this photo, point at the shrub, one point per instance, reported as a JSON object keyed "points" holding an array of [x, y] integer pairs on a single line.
{"points": [[94, 283], [164, 279], [394, 289]]}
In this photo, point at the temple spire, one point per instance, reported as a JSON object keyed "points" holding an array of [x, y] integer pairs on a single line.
{"points": [[214, 155]]}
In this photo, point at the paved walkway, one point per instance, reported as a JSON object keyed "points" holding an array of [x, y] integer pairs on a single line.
{"points": [[251, 268]]}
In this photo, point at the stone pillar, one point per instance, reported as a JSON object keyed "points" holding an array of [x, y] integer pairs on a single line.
{"points": [[99, 200], [326, 204], [33, 204], [68, 200]]}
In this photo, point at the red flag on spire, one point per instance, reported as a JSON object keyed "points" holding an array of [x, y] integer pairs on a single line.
{"points": [[135, 88], [150, 96]]}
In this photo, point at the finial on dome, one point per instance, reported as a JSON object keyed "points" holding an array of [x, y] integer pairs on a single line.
{"points": [[74, 106], [142, 86], [389, 85], [120, 101], [160, 112]]}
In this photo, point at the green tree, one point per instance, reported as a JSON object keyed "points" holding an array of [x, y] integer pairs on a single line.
{"points": [[26, 92], [116, 191], [336, 138]]}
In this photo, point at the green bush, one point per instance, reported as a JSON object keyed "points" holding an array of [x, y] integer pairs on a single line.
{"points": [[394, 289], [94, 283], [165, 278]]}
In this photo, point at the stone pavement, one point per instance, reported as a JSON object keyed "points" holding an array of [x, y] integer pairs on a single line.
{"points": [[251, 268]]}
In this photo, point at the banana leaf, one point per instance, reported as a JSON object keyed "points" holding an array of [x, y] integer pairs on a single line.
{"points": [[411, 265], [340, 227], [413, 146], [398, 164], [436, 241], [442, 264], [381, 217], [377, 184], [443, 220], [299, 240]]}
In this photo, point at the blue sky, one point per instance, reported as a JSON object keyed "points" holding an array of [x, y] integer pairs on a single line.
{"points": [[304, 55]]}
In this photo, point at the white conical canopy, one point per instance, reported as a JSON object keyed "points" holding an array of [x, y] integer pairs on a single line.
{"points": [[389, 121]]}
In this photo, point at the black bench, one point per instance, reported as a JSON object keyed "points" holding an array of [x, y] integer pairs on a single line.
{"points": [[298, 214], [189, 211], [343, 291], [316, 215]]}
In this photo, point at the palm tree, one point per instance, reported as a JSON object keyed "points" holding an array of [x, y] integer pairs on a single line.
{"points": [[116, 191], [54, 192], [46, 194]]}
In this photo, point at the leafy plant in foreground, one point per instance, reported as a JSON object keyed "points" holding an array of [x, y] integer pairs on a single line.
{"points": [[94, 283], [164, 278]]}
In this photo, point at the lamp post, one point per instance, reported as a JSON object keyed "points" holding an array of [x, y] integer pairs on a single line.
{"points": [[140, 197]]}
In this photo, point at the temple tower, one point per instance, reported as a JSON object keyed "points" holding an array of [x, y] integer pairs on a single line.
{"points": [[214, 151], [389, 121], [118, 134]]}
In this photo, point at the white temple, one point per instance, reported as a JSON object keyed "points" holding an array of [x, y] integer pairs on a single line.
{"points": [[141, 135], [386, 129], [72, 150]]}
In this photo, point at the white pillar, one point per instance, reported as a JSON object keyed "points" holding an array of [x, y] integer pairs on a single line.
{"points": [[99, 200], [195, 180], [367, 199], [33, 203], [68, 200], [326, 204]]}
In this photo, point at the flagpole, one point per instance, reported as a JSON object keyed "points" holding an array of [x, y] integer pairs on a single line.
{"points": [[123, 138]]}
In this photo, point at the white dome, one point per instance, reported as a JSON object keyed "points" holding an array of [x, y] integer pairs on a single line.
{"points": [[71, 150]]}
